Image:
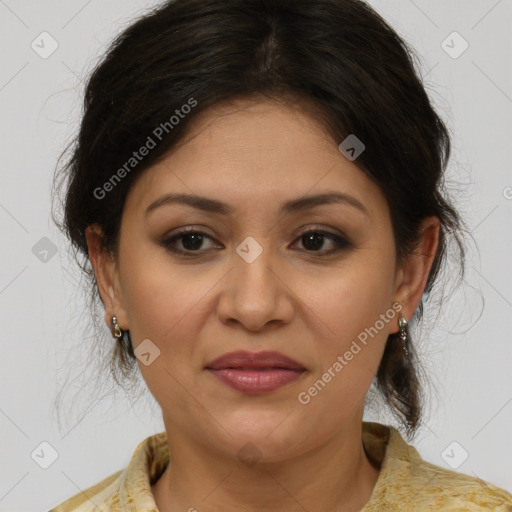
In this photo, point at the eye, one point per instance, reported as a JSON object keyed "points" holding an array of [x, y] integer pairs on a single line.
{"points": [[314, 239], [191, 240]]}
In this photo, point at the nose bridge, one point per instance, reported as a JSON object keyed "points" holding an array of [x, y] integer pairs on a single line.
{"points": [[255, 294], [253, 272]]}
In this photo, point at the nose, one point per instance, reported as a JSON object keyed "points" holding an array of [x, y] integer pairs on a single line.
{"points": [[256, 294]]}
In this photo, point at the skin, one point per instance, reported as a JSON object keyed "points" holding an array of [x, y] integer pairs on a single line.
{"points": [[294, 298]]}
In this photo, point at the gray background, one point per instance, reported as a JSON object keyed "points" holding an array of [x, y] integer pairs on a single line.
{"points": [[467, 352]]}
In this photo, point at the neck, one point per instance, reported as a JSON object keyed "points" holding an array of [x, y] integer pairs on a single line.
{"points": [[335, 476]]}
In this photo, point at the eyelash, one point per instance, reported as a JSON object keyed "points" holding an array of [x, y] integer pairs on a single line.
{"points": [[341, 242]]}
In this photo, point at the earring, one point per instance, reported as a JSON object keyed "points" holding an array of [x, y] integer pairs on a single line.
{"points": [[402, 324], [117, 331]]}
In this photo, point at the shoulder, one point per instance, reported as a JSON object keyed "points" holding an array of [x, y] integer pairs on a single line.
{"points": [[131, 485], [96, 498], [444, 489], [408, 482]]}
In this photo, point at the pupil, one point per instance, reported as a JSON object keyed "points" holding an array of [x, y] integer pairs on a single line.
{"points": [[196, 239], [314, 238]]}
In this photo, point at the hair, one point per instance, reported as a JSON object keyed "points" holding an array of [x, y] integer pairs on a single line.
{"points": [[338, 59]]}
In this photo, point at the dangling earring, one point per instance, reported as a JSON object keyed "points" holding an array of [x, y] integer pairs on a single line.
{"points": [[402, 324], [117, 331]]}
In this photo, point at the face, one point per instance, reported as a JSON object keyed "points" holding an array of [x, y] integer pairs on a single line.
{"points": [[265, 272]]}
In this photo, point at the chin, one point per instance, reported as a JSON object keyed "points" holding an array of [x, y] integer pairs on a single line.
{"points": [[274, 438]]}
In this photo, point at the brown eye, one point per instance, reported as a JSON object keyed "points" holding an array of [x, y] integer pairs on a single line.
{"points": [[190, 240], [314, 240]]}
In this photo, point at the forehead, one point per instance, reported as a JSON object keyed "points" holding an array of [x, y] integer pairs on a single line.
{"points": [[249, 151]]}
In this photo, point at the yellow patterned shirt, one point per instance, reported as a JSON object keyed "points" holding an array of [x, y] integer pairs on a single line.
{"points": [[406, 482]]}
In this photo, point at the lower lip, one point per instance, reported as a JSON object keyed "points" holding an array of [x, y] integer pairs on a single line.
{"points": [[256, 381]]}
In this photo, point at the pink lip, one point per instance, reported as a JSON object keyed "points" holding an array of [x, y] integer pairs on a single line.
{"points": [[255, 372], [256, 381]]}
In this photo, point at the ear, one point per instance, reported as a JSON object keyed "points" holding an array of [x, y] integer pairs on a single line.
{"points": [[107, 276], [413, 274]]}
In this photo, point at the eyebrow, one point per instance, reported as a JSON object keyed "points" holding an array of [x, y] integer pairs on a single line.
{"points": [[293, 206]]}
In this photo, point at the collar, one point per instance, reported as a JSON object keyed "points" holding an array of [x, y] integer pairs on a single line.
{"points": [[383, 444]]}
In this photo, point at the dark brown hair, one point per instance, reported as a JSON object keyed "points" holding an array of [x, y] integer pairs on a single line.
{"points": [[338, 56]]}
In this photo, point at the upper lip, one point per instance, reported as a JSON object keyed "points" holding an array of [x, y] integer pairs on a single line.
{"points": [[249, 360]]}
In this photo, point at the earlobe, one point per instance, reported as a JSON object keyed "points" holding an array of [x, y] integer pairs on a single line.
{"points": [[413, 275], [105, 271]]}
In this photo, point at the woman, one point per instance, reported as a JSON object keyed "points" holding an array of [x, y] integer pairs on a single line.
{"points": [[257, 187]]}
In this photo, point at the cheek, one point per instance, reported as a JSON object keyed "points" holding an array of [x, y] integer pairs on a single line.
{"points": [[156, 296], [168, 306], [347, 311], [351, 298]]}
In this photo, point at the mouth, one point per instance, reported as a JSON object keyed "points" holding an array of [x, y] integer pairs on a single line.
{"points": [[255, 373], [256, 381]]}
